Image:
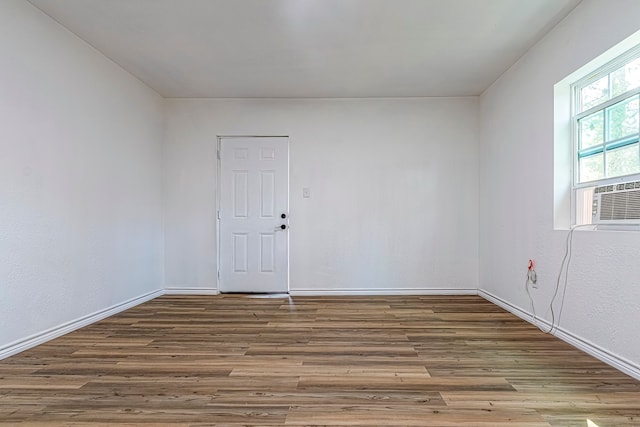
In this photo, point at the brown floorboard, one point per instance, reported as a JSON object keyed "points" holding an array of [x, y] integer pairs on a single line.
{"points": [[332, 361]]}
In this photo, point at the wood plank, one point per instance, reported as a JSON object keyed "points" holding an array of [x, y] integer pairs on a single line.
{"points": [[363, 360]]}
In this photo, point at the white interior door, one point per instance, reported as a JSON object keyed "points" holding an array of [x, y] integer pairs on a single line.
{"points": [[254, 214]]}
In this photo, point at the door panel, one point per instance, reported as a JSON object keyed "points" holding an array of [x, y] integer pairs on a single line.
{"points": [[240, 193], [267, 252], [254, 193], [267, 194]]}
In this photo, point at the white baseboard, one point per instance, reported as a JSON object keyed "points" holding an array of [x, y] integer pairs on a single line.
{"points": [[382, 291], [588, 347], [57, 331], [524, 315], [190, 291]]}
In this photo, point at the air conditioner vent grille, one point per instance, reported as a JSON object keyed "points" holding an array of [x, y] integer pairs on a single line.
{"points": [[622, 205]]}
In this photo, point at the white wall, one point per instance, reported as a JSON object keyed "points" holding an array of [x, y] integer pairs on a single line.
{"points": [[516, 190], [393, 184], [80, 178]]}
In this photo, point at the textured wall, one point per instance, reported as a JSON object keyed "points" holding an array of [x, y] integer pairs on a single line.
{"points": [[393, 190], [80, 178], [516, 190]]}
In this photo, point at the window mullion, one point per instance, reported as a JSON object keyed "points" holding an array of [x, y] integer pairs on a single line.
{"points": [[591, 151], [622, 142], [605, 131]]}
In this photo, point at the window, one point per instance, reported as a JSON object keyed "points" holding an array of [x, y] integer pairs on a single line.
{"points": [[595, 130], [606, 122]]}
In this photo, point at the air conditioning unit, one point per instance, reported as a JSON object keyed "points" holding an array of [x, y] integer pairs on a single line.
{"points": [[617, 203]]}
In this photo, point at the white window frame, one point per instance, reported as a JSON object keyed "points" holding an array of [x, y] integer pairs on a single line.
{"points": [[564, 169], [582, 190], [575, 117]]}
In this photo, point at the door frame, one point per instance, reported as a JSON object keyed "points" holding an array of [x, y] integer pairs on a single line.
{"points": [[219, 139]]}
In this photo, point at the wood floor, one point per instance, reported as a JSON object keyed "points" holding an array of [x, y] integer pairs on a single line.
{"points": [[334, 361]]}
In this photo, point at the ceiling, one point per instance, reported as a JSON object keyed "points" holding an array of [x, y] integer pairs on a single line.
{"points": [[311, 48]]}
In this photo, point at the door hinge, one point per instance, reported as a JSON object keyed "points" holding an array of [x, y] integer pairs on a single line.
{"points": [[218, 214], [218, 154]]}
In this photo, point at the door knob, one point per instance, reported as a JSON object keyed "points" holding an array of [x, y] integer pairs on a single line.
{"points": [[283, 216], [283, 227]]}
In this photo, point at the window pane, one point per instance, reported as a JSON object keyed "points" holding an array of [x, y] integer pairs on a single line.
{"points": [[592, 130], [625, 78], [622, 119], [623, 161], [595, 93], [591, 168]]}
